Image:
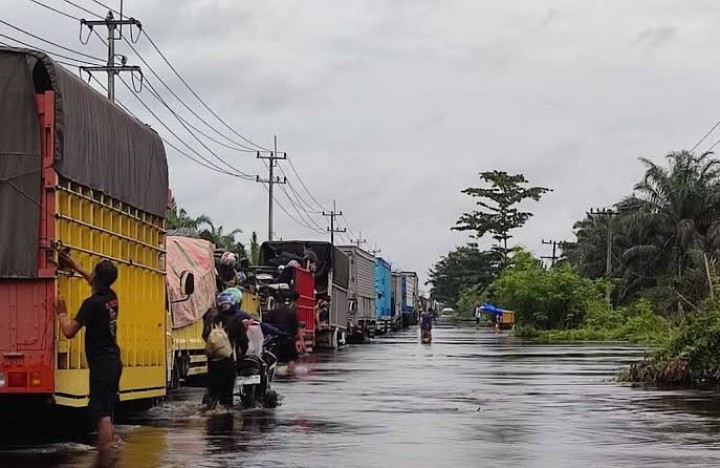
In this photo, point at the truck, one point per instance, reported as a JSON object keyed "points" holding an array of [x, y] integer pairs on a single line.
{"points": [[78, 173], [186, 253], [409, 301], [331, 280], [396, 308], [383, 294], [361, 294]]}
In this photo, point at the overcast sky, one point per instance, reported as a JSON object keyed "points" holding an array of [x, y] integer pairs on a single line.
{"points": [[391, 107]]}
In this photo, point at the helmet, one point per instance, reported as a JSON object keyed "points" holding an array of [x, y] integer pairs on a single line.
{"points": [[228, 258], [227, 301], [235, 292]]}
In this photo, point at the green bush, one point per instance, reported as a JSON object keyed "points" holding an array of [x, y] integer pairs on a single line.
{"points": [[558, 298], [691, 355]]}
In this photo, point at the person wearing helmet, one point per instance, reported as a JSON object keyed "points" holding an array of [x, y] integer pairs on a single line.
{"points": [[221, 371], [227, 274]]}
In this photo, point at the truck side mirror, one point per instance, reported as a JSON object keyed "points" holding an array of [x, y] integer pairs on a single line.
{"points": [[187, 283]]}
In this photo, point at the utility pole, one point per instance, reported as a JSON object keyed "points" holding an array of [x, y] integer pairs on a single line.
{"points": [[112, 25], [271, 181], [332, 215], [359, 241], [375, 251], [555, 245], [608, 260]]}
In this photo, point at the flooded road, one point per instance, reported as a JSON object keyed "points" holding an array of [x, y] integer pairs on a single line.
{"points": [[472, 398]]}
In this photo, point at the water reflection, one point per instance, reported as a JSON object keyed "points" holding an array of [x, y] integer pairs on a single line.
{"points": [[471, 398]]}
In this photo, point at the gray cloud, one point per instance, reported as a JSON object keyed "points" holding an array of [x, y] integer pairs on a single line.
{"points": [[394, 107]]}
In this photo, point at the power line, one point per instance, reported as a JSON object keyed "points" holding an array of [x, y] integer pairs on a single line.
{"points": [[81, 8], [241, 148], [49, 42], [157, 49], [125, 108], [59, 12], [162, 101], [106, 7], [52, 54], [705, 136], [292, 166], [215, 166]]}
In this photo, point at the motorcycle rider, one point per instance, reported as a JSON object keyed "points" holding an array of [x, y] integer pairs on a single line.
{"points": [[221, 370], [285, 319]]}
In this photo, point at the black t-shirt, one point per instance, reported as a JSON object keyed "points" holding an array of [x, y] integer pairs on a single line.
{"points": [[283, 318], [98, 314]]}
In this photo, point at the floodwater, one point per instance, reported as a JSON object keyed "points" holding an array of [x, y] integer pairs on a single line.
{"points": [[472, 398]]}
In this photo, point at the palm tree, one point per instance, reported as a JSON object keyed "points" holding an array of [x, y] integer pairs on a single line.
{"points": [[221, 239], [674, 219], [178, 218]]}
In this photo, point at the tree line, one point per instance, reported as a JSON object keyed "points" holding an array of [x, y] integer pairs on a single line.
{"points": [[181, 223], [664, 239]]}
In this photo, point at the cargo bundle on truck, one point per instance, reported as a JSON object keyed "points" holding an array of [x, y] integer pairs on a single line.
{"points": [[331, 280], [383, 291], [199, 256], [76, 172], [361, 294]]}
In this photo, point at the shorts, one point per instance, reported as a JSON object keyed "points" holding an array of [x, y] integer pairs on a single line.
{"points": [[104, 387], [286, 351]]}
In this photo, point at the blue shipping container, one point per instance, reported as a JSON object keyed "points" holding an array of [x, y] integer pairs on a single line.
{"points": [[383, 288]]}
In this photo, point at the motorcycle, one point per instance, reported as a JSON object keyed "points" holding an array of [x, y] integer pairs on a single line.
{"points": [[255, 375]]}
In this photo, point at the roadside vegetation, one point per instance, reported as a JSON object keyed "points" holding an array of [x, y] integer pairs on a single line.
{"points": [[181, 223], [657, 287]]}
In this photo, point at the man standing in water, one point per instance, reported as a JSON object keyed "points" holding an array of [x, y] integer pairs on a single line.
{"points": [[426, 320], [98, 314]]}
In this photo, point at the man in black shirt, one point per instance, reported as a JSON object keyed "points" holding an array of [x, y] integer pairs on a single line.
{"points": [[285, 319], [98, 314]]}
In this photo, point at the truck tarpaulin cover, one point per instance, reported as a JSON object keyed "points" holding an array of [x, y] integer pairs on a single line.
{"points": [[19, 169], [196, 255], [277, 253], [96, 144]]}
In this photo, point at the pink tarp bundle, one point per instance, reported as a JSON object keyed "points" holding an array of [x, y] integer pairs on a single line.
{"points": [[196, 255]]}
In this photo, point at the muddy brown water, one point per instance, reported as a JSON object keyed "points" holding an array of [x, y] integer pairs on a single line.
{"points": [[472, 398]]}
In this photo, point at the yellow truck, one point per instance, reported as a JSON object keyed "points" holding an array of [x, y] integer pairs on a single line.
{"points": [[83, 175], [188, 347]]}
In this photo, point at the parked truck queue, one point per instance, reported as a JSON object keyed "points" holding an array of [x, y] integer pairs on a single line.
{"points": [[80, 176]]}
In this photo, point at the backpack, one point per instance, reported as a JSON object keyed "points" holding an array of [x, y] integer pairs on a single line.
{"points": [[218, 344]]}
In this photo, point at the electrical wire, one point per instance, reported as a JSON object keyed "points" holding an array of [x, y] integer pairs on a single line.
{"points": [[215, 167], [157, 49], [705, 136], [241, 148], [52, 54], [187, 85], [292, 166], [49, 42], [106, 6], [162, 101], [59, 12], [298, 207], [81, 8]]}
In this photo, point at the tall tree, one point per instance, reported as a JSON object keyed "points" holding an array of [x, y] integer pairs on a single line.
{"points": [[499, 213], [675, 214], [462, 268]]}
